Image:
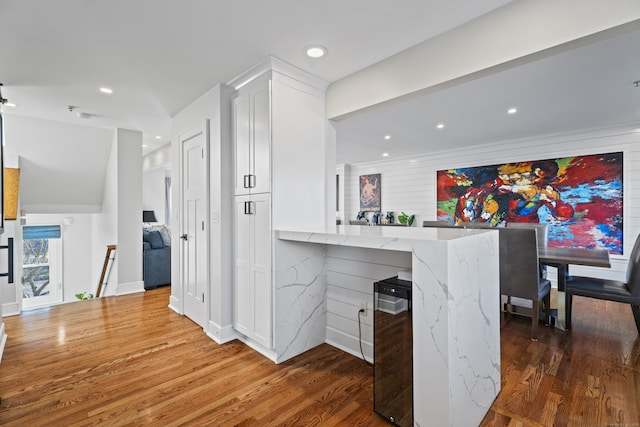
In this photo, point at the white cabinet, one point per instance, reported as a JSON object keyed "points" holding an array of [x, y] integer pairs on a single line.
{"points": [[252, 137], [252, 291], [279, 150]]}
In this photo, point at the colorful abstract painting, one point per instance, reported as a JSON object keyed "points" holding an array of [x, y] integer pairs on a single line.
{"points": [[370, 193], [579, 197]]}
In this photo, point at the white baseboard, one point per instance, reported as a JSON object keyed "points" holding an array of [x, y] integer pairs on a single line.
{"points": [[348, 344], [269, 354], [174, 304], [129, 288], [220, 334], [10, 309], [3, 340]]}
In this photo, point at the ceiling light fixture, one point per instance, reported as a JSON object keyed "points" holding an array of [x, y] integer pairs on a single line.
{"points": [[387, 137], [385, 154], [440, 125], [512, 110], [316, 51], [106, 90], [158, 137]]}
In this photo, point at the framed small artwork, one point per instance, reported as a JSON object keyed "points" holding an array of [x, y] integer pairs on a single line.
{"points": [[370, 193]]}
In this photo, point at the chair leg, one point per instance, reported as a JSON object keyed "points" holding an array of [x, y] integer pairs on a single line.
{"points": [[535, 317], [636, 315], [547, 309], [567, 310]]}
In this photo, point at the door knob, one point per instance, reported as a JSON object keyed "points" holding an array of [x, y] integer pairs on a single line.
{"points": [[184, 237]]}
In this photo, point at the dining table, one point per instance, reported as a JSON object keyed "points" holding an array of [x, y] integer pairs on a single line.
{"points": [[562, 258]]}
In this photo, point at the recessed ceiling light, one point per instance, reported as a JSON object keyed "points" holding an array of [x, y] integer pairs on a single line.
{"points": [[144, 145], [316, 51], [106, 90], [440, 125], [158, 137], [512, 110], [385, 154], [387, 137]]}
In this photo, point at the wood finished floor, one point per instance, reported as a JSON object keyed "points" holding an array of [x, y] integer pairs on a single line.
{"points": [[129, 360]]}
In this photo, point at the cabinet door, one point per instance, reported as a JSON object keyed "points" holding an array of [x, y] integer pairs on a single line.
{"points": [[252, 281], [261, 147], [242, 141], [262, 292], [243, 281]]}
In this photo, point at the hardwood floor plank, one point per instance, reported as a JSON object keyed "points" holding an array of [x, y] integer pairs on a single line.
{"points": [[131, 361]]}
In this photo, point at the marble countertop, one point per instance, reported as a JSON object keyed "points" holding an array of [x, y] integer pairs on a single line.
{"points": [[392, 238]]}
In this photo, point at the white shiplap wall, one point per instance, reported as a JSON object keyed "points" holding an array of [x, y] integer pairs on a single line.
{"points": [[351, 273], [409, 185]]}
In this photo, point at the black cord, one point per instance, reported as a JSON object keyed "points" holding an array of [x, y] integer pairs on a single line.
{"points": [[360, 338]]}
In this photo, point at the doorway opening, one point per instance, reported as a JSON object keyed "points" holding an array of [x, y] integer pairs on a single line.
{"points": [[41, 266]]}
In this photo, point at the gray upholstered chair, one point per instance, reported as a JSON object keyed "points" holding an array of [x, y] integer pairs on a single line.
{"points": [[542, 235], [541, 231], [519, 273], [627, 292]]}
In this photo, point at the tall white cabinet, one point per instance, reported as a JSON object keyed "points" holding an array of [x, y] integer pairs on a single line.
{"points": [[279, 182]]}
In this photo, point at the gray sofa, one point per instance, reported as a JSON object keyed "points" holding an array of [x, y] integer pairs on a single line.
{"points": [[156, 257]]}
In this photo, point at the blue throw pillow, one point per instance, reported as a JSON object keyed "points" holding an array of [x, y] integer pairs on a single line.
{"points": [[154, 238]]}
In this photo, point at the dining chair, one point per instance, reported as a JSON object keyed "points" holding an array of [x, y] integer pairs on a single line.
{"points": [[627, 292], [519, 273], [542, 234]]}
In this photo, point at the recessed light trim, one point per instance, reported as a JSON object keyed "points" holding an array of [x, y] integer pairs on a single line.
{"points": [[316, 51], [385, 154], [512, 110], [387, 137], [440, 125], [106, 90]]}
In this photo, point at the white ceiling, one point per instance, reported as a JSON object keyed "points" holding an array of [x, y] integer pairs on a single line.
{"points": [[571, 89], [160, 55]]}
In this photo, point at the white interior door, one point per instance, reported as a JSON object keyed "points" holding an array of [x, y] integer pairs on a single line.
{"points": [[194, 223]]}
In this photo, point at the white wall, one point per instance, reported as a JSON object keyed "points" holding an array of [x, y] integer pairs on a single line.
{"points": [[62, 165], [213, 106], [409, 185], [77, 275], [129, 249], [104, 226], [120, 221], [155, 167], [153, 192]]}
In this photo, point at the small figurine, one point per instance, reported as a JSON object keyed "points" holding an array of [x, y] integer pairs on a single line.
{"points": [[390, 217], [376, 218]]}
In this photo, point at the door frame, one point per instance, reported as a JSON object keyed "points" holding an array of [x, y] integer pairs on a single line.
{"points": [[202, 127]]}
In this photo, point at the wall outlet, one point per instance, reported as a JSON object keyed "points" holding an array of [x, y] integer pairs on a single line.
{"points": [[363, 306]]}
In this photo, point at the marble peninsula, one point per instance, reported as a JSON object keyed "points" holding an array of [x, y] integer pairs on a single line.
{"points": [[456, 309]]}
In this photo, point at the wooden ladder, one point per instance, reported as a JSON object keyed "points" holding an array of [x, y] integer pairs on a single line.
{"points": [[106, 268]]}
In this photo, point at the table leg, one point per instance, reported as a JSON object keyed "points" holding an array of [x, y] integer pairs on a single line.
{"points": [[563, 272]]}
